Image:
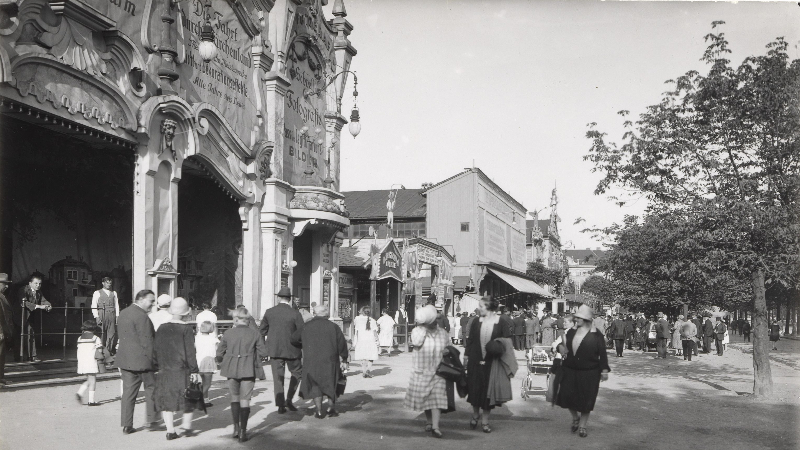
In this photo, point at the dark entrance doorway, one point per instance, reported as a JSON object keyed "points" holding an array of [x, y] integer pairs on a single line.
{"points": [[66, 214], [209, 241], [301, 275]]}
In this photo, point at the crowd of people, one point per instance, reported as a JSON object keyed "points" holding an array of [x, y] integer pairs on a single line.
{"points": [[174, 351]]}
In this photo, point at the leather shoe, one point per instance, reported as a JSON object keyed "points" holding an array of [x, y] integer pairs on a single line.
{"points": [[93, 404], [281, 410], [242, 435], [128, 430], [171, 436], [333, 413], [290, 407], [318, 416]]}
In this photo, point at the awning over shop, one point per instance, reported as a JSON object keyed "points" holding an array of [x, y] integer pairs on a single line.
{"points": [[522, 285]]}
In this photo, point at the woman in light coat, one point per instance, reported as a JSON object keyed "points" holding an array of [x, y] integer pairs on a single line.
{"points": [[366, 340], [386, 331], [677, 342], [239, 353], [426, 390]]}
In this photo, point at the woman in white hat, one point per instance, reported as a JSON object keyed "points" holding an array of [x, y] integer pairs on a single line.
{"points": [[176, 357], [426, 390], [585, 365]]}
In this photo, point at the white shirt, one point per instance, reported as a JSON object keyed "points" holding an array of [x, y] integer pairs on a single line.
{"points": [[400, 313], [160, 317], [96, 298], [206, 316]]}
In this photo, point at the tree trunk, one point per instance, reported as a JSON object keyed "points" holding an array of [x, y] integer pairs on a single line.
{"points": [[762, 374], [788, 314]]}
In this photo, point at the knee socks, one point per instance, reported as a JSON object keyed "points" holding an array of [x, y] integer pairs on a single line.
{"points": [[244, 414]]}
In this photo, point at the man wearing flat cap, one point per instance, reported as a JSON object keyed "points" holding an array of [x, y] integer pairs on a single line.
{"points": [[6, 324], [278, 325]]}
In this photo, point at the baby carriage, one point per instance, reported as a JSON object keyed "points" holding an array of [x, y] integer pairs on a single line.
{"points": [[540, 361]]}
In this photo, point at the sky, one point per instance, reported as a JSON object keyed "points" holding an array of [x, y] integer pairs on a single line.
{"points": [[510, 87]]}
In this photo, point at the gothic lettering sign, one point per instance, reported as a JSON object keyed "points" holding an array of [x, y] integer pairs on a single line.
{"points": [[390, 262], [310, 62], [346, 281], [121, 11], [225, 82]]}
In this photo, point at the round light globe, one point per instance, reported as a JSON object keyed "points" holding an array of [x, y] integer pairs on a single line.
{"points": [[208, 50]]}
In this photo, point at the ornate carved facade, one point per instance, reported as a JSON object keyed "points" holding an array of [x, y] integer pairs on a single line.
{"points": [[127, 74]]}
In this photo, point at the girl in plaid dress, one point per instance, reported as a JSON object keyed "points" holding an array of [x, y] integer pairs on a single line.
{"points": [[426, 390]]}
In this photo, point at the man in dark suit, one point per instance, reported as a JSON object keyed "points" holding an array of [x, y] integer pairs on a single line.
{"points": [[463, 322], [698, 323], [662, 335], [135, 358], [708, 333], [641, 334], [519, 331], [617, 333], [719, 334], [278, 325]]}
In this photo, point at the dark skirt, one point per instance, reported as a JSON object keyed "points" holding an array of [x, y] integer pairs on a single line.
{"points": [[478, 384], [578, 389], [774, 337], [169, 393]]}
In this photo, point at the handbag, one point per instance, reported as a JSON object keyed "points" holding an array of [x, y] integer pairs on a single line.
{"points": [[448, 371], [341, 385], [194, 391]]}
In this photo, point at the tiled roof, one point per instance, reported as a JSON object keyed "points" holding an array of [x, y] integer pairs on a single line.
{"points": [[372, 204], [355, 256], [544, 224], [585, 256]]}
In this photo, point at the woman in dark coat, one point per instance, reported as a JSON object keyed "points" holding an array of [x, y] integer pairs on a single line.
{"points": [[775, 333], [239, 354], [324, 355], [585, 365], [177, 364], [483, 330]]}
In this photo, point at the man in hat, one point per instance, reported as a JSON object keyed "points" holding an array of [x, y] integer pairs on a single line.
{"points": [[441, 320], [161, 315], [136, 360], [662, 335], [278, 325], [324, 357], [105, 308], [719, 334], [519, 331], [708, 333], [698, 324], [31, 299], [617, 333], [6, 324]]}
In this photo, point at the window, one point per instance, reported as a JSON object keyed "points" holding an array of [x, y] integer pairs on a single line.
{"points": [[464, 226], [72, 275], [198, 265], [75, 292]]}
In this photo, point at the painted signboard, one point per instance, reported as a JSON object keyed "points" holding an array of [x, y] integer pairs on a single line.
{"points": [[346, 281], [227, 81], [390, 262], [310, 62]]}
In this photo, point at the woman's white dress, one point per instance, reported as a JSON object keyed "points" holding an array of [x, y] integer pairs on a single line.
{"points": [[366, 341], [726, 339], [206, 352], [386, 334]]}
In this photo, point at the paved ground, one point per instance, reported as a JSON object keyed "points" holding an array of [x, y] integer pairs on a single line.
{"points": [[647, 403]]}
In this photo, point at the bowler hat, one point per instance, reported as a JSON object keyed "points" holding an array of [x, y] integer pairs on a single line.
{"points": [[285, 292], [4, 278]]}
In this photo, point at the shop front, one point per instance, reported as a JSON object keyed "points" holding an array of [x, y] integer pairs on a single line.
{"points": [[216, 179]]}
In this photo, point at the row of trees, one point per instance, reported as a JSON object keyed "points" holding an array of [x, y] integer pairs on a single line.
{"points": [[717, 158]]}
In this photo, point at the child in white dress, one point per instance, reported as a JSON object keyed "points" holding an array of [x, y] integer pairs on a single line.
{"points": [[205, 344], [88, 344]]}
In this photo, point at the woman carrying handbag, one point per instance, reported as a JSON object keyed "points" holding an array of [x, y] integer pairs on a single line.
{"points": [[427, 391]]}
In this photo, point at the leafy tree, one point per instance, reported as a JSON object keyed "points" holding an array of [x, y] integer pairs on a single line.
{"points": [[557, 278], [600, 288], [722, 148]]}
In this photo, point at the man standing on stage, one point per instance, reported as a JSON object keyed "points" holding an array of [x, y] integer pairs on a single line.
{"points": [[105, 308], [31, 299], [278, 325]]}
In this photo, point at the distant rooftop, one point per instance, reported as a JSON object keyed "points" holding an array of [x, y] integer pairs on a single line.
{"points": [[364, 205]]}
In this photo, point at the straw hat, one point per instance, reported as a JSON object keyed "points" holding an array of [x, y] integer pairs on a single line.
{"points": [[584, 312], [179, 307]]}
